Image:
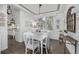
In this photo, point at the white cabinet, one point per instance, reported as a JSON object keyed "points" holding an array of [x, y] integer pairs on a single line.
{"points": [[3, 39], [3, 27]]}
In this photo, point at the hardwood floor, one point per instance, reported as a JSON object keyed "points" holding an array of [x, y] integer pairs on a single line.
{"points": [[15, 47]]}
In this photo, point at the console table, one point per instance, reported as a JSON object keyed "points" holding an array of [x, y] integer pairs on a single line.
{"points": [[71, 41]]}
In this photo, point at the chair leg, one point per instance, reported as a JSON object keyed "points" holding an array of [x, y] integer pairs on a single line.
{"points": [[39, 47], [33, 51], [46, 50], [25, 51]]}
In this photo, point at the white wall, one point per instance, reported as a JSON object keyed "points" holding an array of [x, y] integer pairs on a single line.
{"points": [[17, 22], [55, 32], [24, 18], [3, 29], [61, 21]]}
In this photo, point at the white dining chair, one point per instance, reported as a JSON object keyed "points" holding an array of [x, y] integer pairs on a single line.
{"points": [[30, 43], [46, 42]]}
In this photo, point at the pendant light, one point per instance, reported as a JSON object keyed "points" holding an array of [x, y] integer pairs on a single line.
{"points": [[39, 11], [9, 11]]}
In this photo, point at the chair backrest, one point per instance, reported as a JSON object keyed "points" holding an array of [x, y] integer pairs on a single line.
{"points": [[61, 36], [46, 38], [27, 37]]}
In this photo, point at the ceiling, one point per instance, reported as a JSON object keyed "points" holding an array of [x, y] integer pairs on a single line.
{"points": [[45, 8]]}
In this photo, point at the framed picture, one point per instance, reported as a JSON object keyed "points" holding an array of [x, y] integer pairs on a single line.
{"points": [[71, 20]]}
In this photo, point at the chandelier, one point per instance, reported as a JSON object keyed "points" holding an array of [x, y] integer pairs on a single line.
{"points": [[39, 12], [9, 11]]}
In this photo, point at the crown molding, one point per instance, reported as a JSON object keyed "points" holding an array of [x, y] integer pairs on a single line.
{"points": [[58, 8]]}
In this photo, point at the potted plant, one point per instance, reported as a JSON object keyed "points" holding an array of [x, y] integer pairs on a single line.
{"points": [[65, 32]]}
